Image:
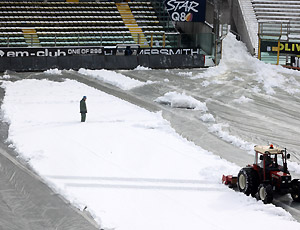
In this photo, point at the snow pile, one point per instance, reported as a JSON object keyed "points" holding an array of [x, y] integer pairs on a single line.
{"points": [[127, 165], [139, 67], [236, 141], [113, 78], [238, 79], [205, 83], [294, 167], [235, 58], [53, 71], [181, 100], [207, 117], [5, 77], [185, 74], [242, 100]]}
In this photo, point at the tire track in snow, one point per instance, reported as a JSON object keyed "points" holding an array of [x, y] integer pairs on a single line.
{"points": [[139, 183]]}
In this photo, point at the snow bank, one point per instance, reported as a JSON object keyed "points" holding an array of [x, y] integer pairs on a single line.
{"points": [[207, 117], [139, 67], [181, 100], [236, 141], [185, 74], [242, 100], [53, 72], [294, 167], [5, 77], [113, 78], [127, 165], [235, 58]]}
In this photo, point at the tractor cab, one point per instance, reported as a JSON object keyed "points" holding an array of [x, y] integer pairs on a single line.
{"points": [[271, 166], [270, 158]]}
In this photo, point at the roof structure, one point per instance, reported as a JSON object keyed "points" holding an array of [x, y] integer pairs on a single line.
{"points": [[268, 149]]}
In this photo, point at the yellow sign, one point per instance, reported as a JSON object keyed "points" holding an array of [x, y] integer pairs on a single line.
{"points": [[289, 47]]}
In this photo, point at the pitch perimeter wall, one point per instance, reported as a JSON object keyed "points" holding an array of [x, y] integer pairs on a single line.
{"points": [[40, 59]]}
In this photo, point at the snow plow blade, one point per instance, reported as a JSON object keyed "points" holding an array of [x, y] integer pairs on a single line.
{"points": [[229, 180]]}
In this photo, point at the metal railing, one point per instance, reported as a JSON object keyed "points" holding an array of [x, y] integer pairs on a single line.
{"points": [[276, 45], [159, 39]]}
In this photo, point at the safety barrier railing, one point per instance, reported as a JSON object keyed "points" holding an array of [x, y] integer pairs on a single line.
{"points": [[154, 39]]}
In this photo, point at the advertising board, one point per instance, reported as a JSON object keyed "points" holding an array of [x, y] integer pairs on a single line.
{"points": [[186, 11]]}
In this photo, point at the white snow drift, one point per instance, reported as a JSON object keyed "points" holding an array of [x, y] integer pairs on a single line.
{"points": [[181, 100], [113, 78]]}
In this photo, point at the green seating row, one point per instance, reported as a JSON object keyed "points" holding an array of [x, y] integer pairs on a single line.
{"points": [[63, 8], [85, 43], [65, 17], [54, 13], [13, 44], [81, 28], [57, 4], [59, 23], [7, 38], [85, 38], [90, 32]]}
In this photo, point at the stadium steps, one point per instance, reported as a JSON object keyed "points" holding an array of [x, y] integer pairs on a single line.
{"points": [[129, 20], [31, 37]]}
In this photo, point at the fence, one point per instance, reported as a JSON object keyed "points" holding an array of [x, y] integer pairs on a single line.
{"points": [[204, 41]]}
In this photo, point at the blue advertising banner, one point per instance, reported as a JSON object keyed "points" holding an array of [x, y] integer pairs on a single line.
{"points": [[186, 11]]}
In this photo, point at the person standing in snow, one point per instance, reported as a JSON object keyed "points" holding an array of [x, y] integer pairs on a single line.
{"points": [[83, 109]]}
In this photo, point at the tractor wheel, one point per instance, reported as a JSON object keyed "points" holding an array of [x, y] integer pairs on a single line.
{"points": [[265, 193], [247, 181], [295, 193]]}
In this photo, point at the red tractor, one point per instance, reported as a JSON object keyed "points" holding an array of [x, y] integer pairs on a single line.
{"points": [[268, 174]]}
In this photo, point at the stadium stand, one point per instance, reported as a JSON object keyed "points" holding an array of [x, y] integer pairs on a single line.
{"points": [[84, 23], [277, 19], [153, 19], [275, 15]]}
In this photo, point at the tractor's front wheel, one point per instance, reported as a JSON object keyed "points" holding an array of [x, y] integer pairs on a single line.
{"points": [[265, 193], [295, 193], [247, 181]]}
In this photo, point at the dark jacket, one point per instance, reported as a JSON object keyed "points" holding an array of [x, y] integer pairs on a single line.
{"points": [[83, 106]]}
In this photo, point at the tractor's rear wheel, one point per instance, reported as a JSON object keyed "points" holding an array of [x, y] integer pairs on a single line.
{"points": [[295, 193], [265, 193], [247, 181]]}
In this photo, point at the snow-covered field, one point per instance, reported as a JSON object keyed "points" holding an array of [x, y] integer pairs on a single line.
{"points": [[127, 165]]}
